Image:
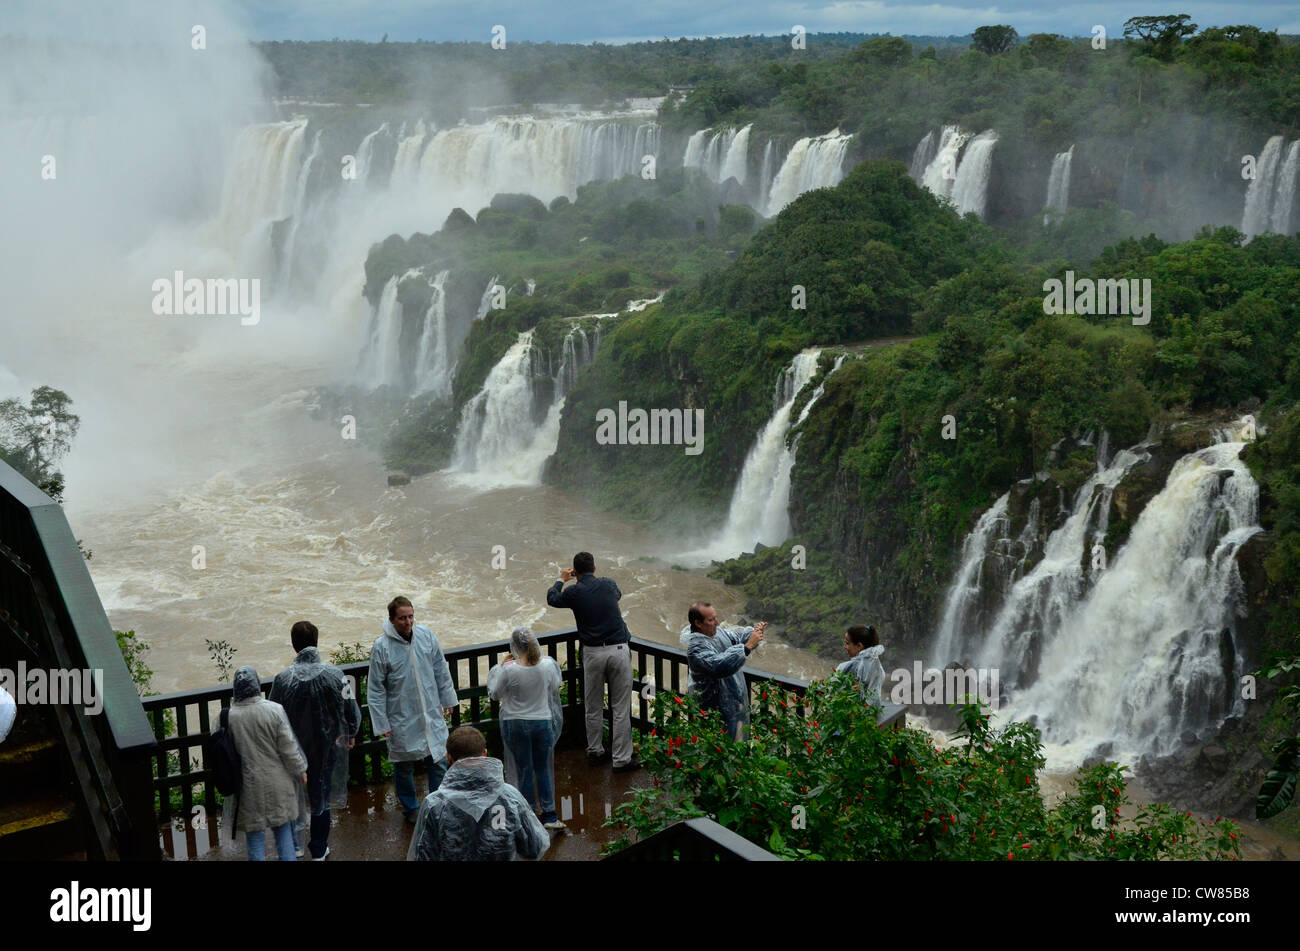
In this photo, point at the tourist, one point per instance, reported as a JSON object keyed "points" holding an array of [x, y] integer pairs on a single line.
{"points": [[716, 658], [864, 649], [474, 815], [527, 685], [606, 658], [272, 766], [8, 713], [326, 718], [409, 692]]}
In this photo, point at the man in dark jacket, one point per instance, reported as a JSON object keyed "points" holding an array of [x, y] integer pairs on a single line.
{"points": [[606, 657], [325, 717], [475, 815]]}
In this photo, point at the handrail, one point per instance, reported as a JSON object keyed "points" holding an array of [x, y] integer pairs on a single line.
{"points": [[694, 840], [52, 613]]}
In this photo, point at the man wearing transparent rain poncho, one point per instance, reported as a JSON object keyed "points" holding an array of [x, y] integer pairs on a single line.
{"points": [[475, 815], [325, 717]]}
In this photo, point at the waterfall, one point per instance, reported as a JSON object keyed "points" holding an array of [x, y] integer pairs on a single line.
{"points": [[485, 301], [406, 162], [970, 188], [381, 363], [1256, 217], [941, 171], [720, 155], [760, 502], [765, 176], [1284, 199], [1058, 186], [544, 157], [812, 163], [299, 207], [435, 360], [498, 443], [922, 157], [258, 189], [1132, 654], [365, 152]]}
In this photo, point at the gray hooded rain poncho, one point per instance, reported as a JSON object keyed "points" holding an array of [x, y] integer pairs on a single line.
{"points": [[717, 672], [474, 816], [868, 670], [8, 713], [313, 696], [407, 687], [272, 761]]}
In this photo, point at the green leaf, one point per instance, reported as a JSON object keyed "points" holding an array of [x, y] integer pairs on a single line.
{"points": [[1280, 783], [775, 842]]}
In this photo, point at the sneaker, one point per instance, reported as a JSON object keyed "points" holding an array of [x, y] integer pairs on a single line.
{"points": [[411, 816], [631, 766], [323, 857], [556, 825], [299, 853], [595, 760]]}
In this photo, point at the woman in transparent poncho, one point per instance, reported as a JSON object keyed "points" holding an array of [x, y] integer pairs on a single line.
{"points": [[273, 767], [864, 649], [527, 685], [318, 701]]}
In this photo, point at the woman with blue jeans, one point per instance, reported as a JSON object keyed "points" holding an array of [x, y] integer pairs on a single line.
{"points": [[527, 686], [273, 768]]}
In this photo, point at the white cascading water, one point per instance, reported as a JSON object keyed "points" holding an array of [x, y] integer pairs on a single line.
{"points": [[485, 300], [497, 442], [970, 189], [298, 211], [436, 357], [381, 362], [406, 163], [258, 191], [812, 163], [720, 155], [765, 174], [1257, 216], [1058, 186], [760, 503], [941, 171], [1131, 655], [365, 153], [1284, 198], [922, 156]]}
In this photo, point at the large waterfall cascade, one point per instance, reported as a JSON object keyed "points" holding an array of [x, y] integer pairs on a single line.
{"points": [[1271, 194], [814, 162], [1127, 656], [956, 166], [760, 503], [499, 442], [720, 154]]}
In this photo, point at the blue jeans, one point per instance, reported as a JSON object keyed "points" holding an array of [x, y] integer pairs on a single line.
{"points": [[283, 844], [532, 744], [404, 776]]}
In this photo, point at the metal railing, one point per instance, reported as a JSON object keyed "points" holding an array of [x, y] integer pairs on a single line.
{"points": [[51, 618], [178, 757], [694, 840]]}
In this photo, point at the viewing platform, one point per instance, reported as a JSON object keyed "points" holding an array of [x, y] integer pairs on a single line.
{"points": [[129, 782]]}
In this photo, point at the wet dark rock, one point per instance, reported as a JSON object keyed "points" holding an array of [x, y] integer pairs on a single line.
{"points": [[398, 478], [1214, 758]]}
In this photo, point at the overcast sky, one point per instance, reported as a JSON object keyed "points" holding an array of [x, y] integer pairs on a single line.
{"points": [[614, 21]]}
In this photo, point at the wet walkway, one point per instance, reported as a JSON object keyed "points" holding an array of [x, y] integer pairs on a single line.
{"points": [[371, 827]]}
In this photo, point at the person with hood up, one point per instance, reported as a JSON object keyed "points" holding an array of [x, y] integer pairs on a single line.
{"points": [[864, 649], [716, 659], [273, 769], [409, 692], [475, 816], [325, 717]]}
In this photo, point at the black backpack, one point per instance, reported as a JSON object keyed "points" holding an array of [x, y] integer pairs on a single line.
{"points": [[222, 759]]}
